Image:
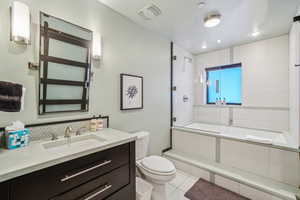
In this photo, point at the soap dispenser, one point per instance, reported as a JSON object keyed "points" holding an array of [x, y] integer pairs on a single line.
{"points": [[93, 125]]}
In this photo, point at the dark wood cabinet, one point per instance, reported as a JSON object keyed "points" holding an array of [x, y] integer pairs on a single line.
{"points": [[100, 187], [95, 177], [4, 191]]}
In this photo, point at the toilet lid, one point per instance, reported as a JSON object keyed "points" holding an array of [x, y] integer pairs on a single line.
{"points": [[158, 164]]}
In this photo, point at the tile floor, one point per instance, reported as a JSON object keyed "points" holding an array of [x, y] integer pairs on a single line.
{"points": [[180, 185], [184, 181]]}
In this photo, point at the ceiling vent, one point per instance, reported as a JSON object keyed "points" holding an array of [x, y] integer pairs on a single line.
{"points": [[150, 11]]}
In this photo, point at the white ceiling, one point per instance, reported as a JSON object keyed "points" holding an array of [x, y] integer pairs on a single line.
{"points": [[182, 21]]}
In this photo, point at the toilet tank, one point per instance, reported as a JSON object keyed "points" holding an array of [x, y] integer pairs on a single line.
{"points": [[141, 144]]}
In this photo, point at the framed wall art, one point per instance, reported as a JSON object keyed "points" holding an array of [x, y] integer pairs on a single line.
{"points": [[131, 92]]}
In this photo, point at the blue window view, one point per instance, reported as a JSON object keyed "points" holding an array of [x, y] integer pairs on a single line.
{"points": [[224, 83]]}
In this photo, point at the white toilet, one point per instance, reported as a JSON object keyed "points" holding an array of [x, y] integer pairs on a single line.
{"points": [[155, 169]]}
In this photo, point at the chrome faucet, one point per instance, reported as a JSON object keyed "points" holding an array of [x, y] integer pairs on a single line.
{"points": [[68, 132], [79, 131]]}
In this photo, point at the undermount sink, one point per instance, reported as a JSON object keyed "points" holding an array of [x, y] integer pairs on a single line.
{"points": [[76, 141]]}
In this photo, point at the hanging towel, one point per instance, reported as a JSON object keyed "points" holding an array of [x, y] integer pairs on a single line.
{"points": [[11, 95]]}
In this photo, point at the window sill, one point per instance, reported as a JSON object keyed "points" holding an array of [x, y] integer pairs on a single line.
{"points": [[241, 106]]}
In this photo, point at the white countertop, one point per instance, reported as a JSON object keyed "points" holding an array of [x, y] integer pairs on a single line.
{"points": [[15, 163]]}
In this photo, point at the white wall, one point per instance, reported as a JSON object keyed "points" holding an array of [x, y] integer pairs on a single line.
{"points": [[127, 47], [265, 84], [294, 82], [183, 75], [265, 72]]}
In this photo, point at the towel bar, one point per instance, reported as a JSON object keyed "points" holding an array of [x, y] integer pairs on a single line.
{"points": [[33, 66]]}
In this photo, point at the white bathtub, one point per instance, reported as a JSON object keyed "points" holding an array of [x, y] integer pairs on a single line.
{"points": [[260, 136]]}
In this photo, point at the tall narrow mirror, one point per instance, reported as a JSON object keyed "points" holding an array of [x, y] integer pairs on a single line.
{"points": [[65, 60]]}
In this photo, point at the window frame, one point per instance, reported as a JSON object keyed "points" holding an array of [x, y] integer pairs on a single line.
{"points": [[209, 69]]}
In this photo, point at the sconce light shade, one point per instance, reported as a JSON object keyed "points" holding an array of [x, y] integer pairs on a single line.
{"points": [[20, 23], [97, 47]]}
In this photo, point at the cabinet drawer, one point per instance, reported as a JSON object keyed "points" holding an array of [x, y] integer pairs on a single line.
{"points": [[100, 187], [126, 193], [4, 191], [60, 178]]}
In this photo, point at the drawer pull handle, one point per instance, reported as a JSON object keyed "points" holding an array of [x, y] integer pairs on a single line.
{"points": [[68, 177], [106, 187]]}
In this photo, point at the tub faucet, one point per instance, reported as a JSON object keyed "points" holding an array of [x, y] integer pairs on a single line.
{"points": [[68, 132]]}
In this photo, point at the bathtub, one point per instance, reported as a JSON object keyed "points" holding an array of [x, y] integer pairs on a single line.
{"points": [[247, 134]]}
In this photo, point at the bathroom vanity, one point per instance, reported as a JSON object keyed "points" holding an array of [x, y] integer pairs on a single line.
{"points": [[103, 172], [4, 191]]}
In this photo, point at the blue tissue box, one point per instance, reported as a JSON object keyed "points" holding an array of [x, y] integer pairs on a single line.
{"points": [[17, 139]]}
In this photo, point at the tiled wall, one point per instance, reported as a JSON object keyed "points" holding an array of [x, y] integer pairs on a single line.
{"points": [[193, 144], [236, 187], [269, 119], [243, 189], [44, 132], [273, 163], [258, 89], [258, 118], [279, 165], [212, 114]]}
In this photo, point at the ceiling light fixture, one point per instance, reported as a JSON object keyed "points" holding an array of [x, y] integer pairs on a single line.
{"points": [[255, 33], [97, 46], [212, 19], [20, 23], [219, 41]]}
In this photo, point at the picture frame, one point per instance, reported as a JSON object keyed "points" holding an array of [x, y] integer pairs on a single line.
{"points": [[132, 92]]}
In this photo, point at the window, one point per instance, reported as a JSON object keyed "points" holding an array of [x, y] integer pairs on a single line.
{"points": [[224, 83]]}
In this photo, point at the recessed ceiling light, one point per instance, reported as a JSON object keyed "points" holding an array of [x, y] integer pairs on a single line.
{"points": [[219, 41], [201, 4], [212, 19], [255, 33]]}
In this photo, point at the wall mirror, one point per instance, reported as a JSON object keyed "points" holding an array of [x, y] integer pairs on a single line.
{"points": [[65, 63], [244, 78]]}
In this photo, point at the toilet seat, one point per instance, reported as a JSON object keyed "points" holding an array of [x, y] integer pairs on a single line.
{"points": [[158, 165]]}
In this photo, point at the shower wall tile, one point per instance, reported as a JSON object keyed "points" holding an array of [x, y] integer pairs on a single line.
{"points": [[227, 183], [279, 165], [195, 144], [192, 170], [276, 120], [284, 166], [212, 115], [253, 194], [248, 157]]}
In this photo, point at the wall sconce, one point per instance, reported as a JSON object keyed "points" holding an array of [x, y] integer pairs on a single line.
{"points": [[97, 47], [20, 23]]}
